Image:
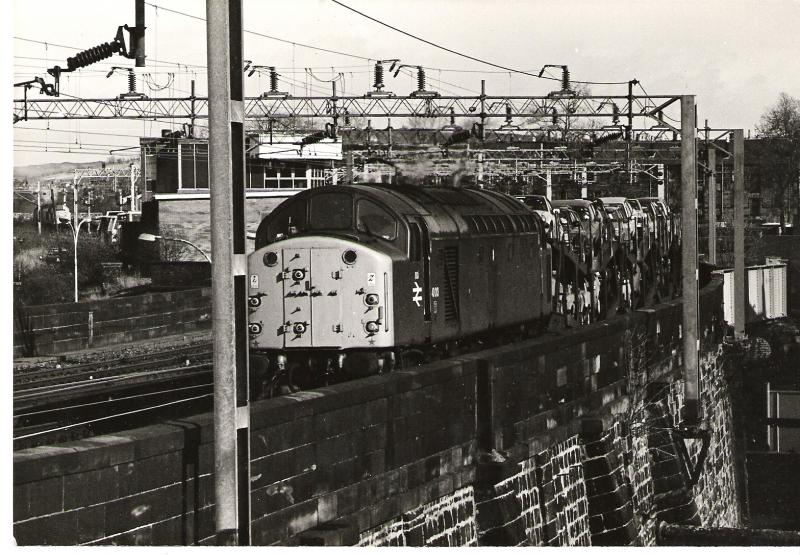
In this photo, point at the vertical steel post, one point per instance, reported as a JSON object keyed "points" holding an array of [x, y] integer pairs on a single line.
{"points": [[229, 292], [75, 228], [689, 260], [139, 36], [482, 129], [193, 112], [738, 234], [133, 188], [480, 169], [711, 192], [39, 206], [349, 168]]}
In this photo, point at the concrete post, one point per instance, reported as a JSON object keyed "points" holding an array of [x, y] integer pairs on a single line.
{"points": [[738, 234], [229, 288], [711, 193], [689, 260]]}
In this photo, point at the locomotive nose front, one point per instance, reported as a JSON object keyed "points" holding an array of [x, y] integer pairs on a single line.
{"points": [[319, 292]]}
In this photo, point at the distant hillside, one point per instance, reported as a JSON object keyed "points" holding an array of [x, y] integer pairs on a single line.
{"points": [[62, 170]]}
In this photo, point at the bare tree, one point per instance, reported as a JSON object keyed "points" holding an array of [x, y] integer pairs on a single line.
{"points": [[172, 251], [562, 125], [781, 123]]}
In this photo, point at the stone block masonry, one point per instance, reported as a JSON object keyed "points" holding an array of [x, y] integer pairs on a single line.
{"points": [[566, 439], [60, 328]]}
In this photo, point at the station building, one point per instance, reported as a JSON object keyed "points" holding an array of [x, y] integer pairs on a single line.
{"points": [[176, 185]]}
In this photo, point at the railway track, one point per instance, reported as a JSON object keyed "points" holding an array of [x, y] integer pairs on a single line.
{"points": [[72, 402], [61, 374]]}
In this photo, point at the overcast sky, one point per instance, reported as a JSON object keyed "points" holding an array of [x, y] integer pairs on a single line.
{"points": [[735, 55]]}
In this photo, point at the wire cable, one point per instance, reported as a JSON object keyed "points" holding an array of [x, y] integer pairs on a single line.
{"points": [[266, 36], [78, 48], [362, 14]]}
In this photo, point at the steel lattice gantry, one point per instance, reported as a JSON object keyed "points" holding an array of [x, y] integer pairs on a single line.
{"points": [[282, 107]]}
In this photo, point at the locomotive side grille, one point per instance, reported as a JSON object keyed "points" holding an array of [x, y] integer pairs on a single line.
{"points": [[450, 264]]}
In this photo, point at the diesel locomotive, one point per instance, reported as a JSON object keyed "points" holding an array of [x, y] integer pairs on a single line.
{"points": [[355, 279]]}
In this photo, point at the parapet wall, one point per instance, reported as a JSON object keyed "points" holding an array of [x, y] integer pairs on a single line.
{"points": [[560, 440], [59, 328]]}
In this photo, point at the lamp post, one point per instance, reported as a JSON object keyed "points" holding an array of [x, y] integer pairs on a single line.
{"points": [[150, 238], [75, 226], [75, 230]]}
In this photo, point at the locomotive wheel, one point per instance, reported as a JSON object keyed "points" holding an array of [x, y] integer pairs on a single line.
{"points": [[360, 364], [411, 357]]}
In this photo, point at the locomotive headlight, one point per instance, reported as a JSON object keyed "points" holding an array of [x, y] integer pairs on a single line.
{"points": [[298, 274], [372, 299], [372, 327], [270, 259], [299, 328], [254, 328], [349, 256], [254, 301]]}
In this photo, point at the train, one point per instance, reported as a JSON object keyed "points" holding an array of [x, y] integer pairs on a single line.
{"points": [[352, 280]]}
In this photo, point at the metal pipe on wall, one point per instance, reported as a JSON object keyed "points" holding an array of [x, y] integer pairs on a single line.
{"points": [[689, 260]]}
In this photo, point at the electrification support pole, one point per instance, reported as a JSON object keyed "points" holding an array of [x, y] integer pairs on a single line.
{"points": [[739, 278], [229, 286], [711, 192], [139, 42], [689, 260]]}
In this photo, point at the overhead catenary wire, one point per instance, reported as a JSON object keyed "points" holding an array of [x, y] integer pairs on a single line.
{"points": [[479, 60], [285, 41], [79, 48]]}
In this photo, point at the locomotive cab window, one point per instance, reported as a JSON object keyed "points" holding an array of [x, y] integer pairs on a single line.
{"points": [[333, 211], [375, 221]]}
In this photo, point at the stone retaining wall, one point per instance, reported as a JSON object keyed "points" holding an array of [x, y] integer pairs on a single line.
{"points": [[60, 328], [561, 440]]}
